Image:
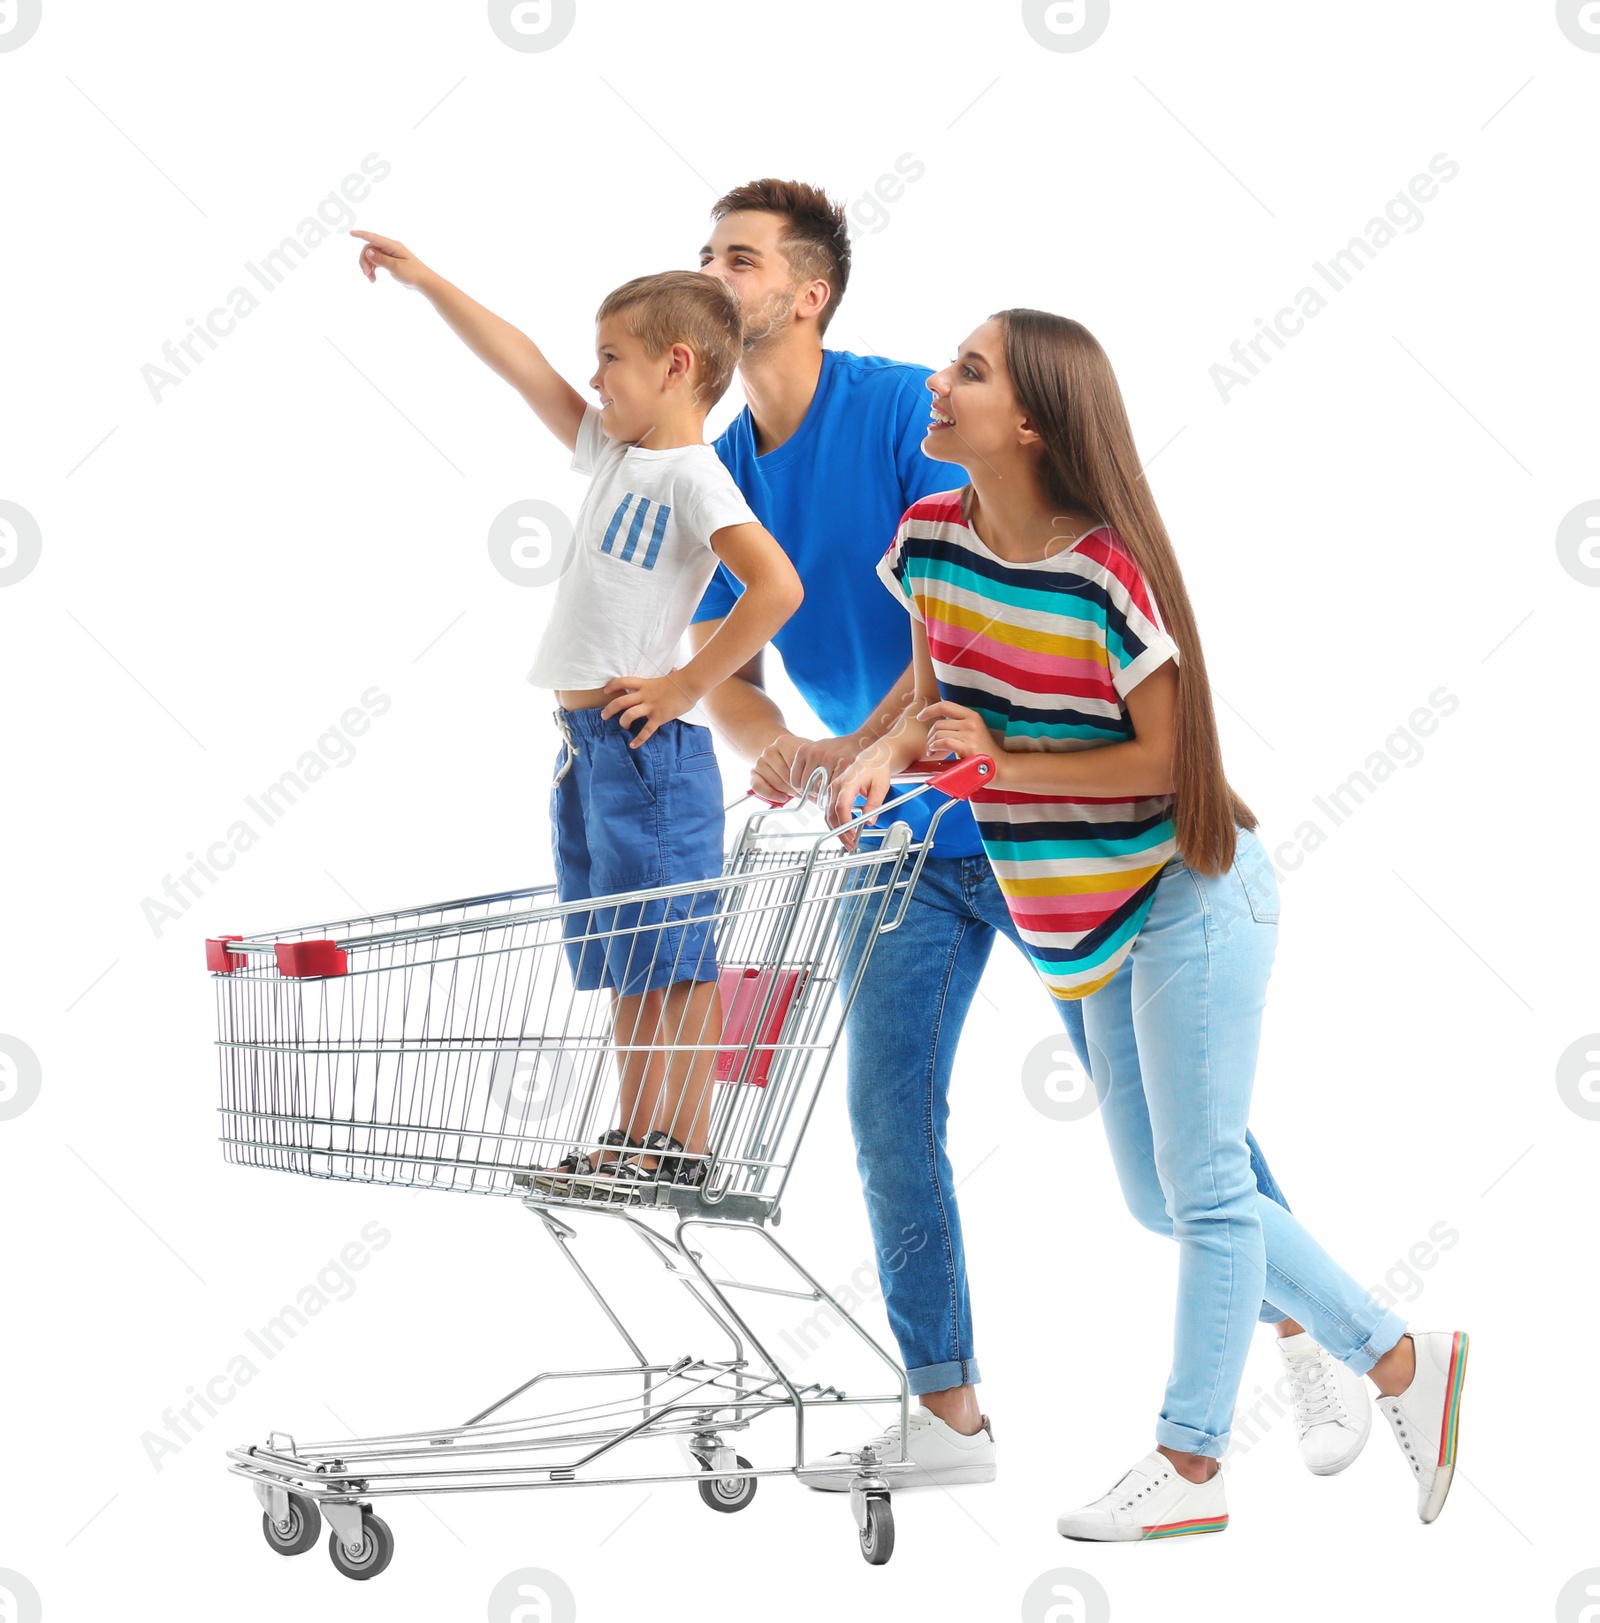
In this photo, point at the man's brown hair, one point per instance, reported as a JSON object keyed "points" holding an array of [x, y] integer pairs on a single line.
{"points": [[683, 307], [815, 237]]}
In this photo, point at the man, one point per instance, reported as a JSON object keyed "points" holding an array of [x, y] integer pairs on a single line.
{"points": [[828, 455]]}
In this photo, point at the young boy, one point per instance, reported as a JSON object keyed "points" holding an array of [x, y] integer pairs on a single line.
{"points": [[636, 812]]}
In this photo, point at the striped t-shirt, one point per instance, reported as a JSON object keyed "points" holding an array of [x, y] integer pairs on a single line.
{"points": [[1046, 652]]}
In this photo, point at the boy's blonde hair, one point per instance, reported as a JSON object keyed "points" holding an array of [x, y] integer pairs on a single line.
{"points": [[684, 307]]}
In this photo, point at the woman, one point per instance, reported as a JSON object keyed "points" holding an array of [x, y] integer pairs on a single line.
{"points": [[1133, 873]]}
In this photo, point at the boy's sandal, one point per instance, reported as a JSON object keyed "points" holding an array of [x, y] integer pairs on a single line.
{"points": [[579, 1163], [669, 1168], [584, 1165]]}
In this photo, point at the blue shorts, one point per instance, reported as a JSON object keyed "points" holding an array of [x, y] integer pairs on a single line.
{"points": [[624, 819]]}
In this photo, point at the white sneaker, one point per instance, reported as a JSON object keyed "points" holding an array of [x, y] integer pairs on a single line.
{"points": [[940, 1456], [1151, 1501], [1427, 1415], [1332, 1413]]}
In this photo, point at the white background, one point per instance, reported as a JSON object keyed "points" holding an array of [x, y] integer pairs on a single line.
{"points": [[304, 518]]}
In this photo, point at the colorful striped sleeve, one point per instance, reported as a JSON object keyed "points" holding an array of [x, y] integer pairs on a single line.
{"points": [[892, 568], [1136, 641]]}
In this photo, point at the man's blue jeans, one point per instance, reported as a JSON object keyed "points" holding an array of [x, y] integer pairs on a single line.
{"points": [[903, 1031]]}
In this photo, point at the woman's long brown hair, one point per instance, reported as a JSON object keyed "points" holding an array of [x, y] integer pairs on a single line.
{"points": [[1064, 382]]}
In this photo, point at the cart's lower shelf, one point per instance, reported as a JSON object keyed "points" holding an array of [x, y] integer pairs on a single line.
{"points": [[696, 1402]]}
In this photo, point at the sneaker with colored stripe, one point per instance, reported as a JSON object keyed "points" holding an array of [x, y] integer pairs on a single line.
{"points": [[1151, 1501], [1426, 1417]]}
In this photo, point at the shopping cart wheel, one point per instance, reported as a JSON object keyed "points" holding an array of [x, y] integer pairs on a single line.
{"points": [[877, 1537], [299, 1530], [376, 1552], [728, 1493]]}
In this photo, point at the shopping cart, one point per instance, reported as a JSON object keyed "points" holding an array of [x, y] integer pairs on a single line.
{"points": [[448, 1047]]}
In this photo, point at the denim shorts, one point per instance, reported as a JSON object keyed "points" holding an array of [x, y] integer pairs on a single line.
{"points": [[624, 819]]}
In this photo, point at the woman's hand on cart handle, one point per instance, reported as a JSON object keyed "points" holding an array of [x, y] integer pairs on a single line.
{"points": [[864, 777], [953, 729]]}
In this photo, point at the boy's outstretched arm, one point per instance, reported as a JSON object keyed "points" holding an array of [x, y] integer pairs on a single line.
{"points": [[505, 350], [772, 592]]}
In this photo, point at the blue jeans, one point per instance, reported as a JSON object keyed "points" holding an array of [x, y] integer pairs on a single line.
{"points": [[1173, 1037], [903, 1028]]}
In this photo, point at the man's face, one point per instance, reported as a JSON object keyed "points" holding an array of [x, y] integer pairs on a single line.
{"points": [[744, 253]]}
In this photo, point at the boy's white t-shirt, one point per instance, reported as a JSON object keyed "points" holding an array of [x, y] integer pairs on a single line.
{"points": [[641, 561]]}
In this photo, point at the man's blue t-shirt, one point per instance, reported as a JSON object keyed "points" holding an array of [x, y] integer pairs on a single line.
{"points": [[833, 495]]}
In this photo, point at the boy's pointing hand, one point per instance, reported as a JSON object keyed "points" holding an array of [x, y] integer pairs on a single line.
{"points": [[392, 256]]}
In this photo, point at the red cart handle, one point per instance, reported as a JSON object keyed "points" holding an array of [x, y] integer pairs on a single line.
{"points": [[958, 779]]}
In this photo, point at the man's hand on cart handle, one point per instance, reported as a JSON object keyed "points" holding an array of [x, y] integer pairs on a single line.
{"points": [[959, 778], [786, 765], [773, 772]]}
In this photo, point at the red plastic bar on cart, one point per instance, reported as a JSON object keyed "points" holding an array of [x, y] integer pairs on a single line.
{"points": [[958, 779], [306, 959], [218, 959], [744, 991]]}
